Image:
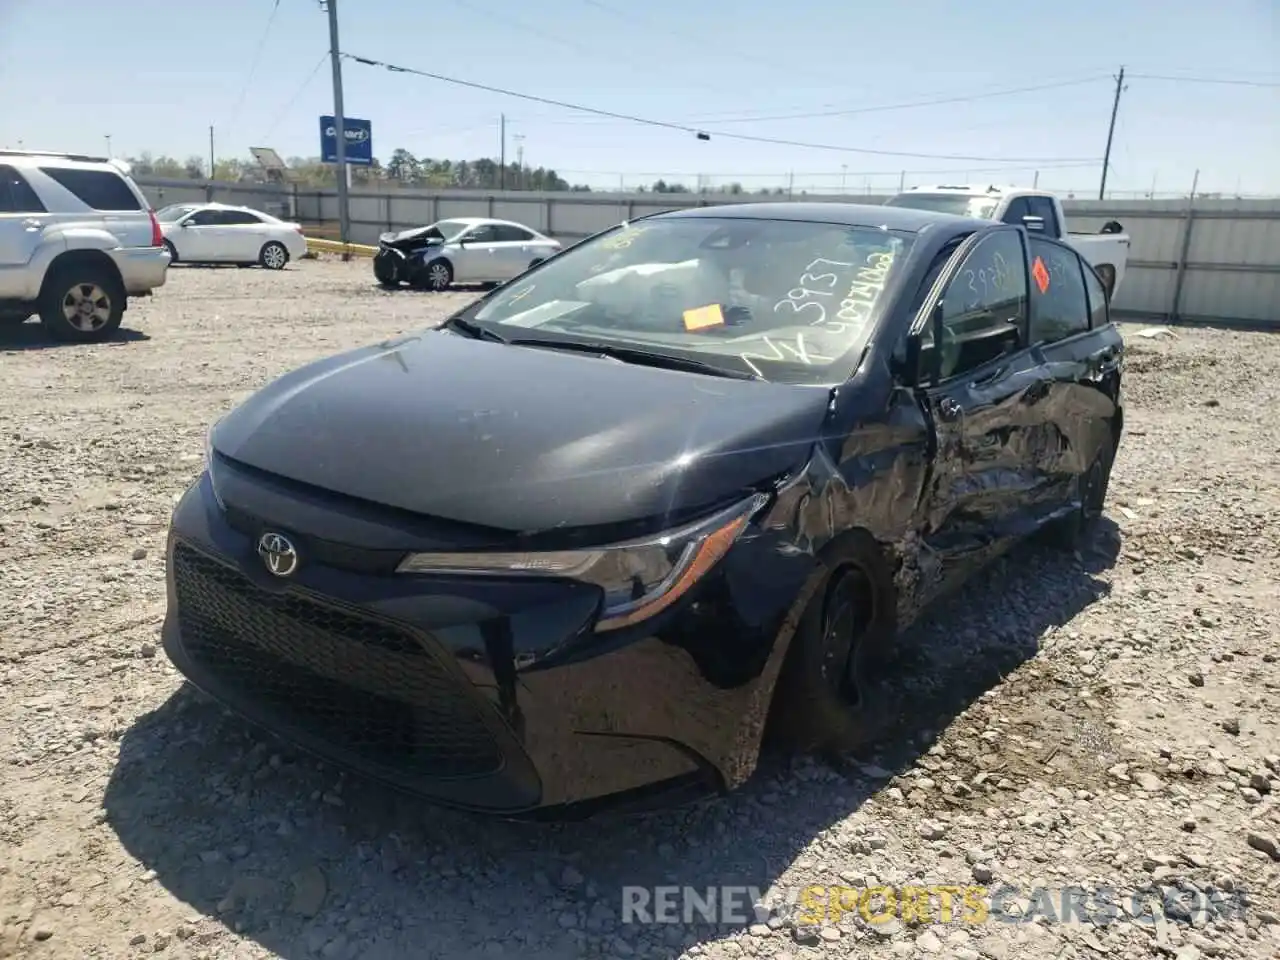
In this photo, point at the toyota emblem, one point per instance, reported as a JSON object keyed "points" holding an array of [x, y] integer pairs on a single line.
{"points": [[278, 553]]}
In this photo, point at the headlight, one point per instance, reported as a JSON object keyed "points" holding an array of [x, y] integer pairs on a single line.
{"points": [[640, 578]]}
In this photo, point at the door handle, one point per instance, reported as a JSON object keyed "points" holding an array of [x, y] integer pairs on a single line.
{"points": [[33, 223], [949, 408]]}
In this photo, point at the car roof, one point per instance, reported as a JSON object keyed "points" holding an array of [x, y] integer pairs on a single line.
{"points": [[902, 219], [476, 221]]}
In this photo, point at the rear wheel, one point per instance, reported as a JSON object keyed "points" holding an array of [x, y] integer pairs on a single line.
{"points": [[1091, 491], [273, 256], [82, 303], [827, 698], [1107, 274]]}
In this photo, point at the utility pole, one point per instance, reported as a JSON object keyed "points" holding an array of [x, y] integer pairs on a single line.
{"points": [[1111, 132], [108, 146], [211, 161], [502, 152], [340, 135]]}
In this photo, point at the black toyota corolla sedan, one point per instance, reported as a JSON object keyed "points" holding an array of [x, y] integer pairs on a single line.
{"points": [[583, 541]]}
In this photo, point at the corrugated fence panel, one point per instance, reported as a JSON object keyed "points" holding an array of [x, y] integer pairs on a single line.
{"points": [[1230, 269], [1211, 294]]}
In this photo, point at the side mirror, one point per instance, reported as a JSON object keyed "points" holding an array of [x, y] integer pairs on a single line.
{"points": [[184, 224], [1033, 224]]}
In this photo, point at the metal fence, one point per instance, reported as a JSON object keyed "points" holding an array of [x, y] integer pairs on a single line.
{"points": [[1202, 261]]}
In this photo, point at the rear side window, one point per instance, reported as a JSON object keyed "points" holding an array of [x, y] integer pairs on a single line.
{"points": [[511, 234], [97, 189], [1099, 309], [236, 218], [16, 195], [1059, 305]]}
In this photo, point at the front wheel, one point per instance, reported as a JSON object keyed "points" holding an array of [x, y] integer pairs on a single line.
{"points": [[436, 275], [82, 303], [173, 252], [827, 699], [274, 256]]}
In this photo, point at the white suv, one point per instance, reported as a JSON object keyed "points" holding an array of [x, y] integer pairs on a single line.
{"points": [[77, 239]]}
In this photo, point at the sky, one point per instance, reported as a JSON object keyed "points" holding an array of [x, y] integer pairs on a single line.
{"points": [[154, 75]]}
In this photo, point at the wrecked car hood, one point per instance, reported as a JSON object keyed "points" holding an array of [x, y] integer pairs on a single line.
{"points": [[408, 239], [521, 439]]}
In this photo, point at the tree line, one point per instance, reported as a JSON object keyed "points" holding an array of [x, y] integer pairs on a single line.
{"points": [[403, 168]]}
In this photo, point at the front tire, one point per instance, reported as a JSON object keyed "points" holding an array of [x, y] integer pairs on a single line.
{"points": [[436, 276], [173, 252], [827, 700], [274, 256], [82, 303]]}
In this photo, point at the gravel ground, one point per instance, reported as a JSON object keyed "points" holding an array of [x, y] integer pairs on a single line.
{"points": [[1106, 721]]}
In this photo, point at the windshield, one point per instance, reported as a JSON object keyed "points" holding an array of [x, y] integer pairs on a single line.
{"points": [[787, 301], [959, 205], [175, 212], [449, 229]]}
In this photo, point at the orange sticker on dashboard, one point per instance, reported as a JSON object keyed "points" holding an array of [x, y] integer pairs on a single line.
{"points": [[700, 318], [1040, 275]]}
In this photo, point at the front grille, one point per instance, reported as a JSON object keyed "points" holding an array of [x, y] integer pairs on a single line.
{"points": [[369, 689], [337, 555]]}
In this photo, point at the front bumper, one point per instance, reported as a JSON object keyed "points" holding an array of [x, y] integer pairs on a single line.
{"points": [[142, 269], [493, 697], [390, 266]]}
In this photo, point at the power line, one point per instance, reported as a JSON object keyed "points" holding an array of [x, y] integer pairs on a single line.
{"points": [[296, 94], [912, 104], [253, 68], [830, 110], [508, 20], [798, 174], [737, 54], [702, 134], [1212, 80]]}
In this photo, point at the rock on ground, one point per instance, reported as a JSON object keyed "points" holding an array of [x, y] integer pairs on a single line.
{"points": [[1044, 731]]}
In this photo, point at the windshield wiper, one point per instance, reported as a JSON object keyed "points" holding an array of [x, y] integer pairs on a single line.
{"points": [[473, 330], [647, 358]]}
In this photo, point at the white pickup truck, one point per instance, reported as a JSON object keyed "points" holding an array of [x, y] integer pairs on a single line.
{"points": [[1037, 210]]}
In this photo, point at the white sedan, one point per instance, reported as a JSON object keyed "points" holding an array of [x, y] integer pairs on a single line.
{"points": [[218, 233], [460, 250]]}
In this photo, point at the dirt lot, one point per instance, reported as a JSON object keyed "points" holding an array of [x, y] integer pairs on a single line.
{"points": [[1107, 721]]}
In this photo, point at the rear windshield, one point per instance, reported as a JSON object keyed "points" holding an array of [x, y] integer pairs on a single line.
{"points": [[96, 189], [958, 205]]}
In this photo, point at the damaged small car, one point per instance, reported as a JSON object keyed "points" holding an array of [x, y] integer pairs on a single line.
{"points": [[586, 542], [463, 250]]}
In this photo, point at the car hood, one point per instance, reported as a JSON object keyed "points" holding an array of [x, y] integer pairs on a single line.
{"points": [[520, 439], [418, 237]]}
